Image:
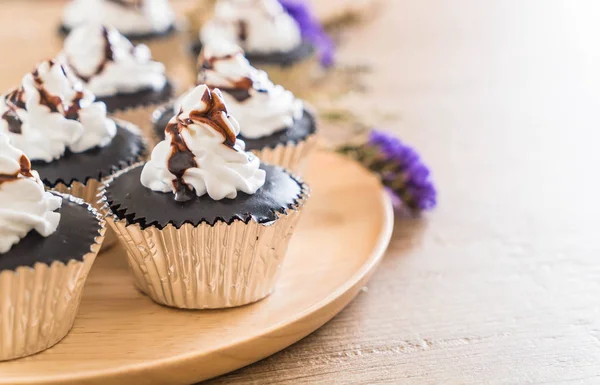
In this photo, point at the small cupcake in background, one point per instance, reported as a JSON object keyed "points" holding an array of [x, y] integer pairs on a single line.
{"points": [[274, 124], [205, 224], [48, 243], [66, 133], [121, 75], [270, 37], [152, 22]]}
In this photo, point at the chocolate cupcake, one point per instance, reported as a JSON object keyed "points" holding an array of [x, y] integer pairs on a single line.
{"points": [[152, 22], [66, 133], [121, 75], [270, 36], [274, 124], [48, 243], [204, 223]]}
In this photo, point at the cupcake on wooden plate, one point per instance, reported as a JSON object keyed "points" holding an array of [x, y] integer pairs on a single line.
{"points": [[58, 124], [274, 124], [48, 243], [205, 224], [121, 75], [152, 22], [270, 36]]}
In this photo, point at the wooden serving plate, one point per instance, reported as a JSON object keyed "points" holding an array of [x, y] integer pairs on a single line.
{"points": [[122, 337]]}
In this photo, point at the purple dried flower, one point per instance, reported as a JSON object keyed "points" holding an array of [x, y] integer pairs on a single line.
{"points": [[311, 29], [400, 168]]}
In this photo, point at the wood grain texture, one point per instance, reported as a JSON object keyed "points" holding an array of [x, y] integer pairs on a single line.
{"points": [[501, 283]]}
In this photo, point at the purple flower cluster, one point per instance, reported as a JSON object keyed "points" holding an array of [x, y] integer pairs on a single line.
{"points": [[403, 171], [311, 29], [400, 168]]}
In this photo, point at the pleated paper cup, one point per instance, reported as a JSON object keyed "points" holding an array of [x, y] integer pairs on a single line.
{"points": [[208, 266], [38, 304], [291, 156]]}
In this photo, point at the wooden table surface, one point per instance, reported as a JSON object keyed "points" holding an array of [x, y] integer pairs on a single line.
{"points": [[500, 284]]}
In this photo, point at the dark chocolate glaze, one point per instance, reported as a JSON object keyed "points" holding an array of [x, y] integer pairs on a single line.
{"points": [[72, 240], [125, 149], [131, 201], [136, 99], [302, 129], [283, 59], [64, 31]]}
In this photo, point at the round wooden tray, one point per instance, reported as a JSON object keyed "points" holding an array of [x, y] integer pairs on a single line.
{"points": [[122, 337]]}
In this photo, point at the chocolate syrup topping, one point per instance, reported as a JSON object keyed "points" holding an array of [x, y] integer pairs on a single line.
{"points": [[108, 57], [24, 171], [242, 30], [182, 158], [72, 112], [240, 89], [135, 4], [46, 98], [14, 101]]}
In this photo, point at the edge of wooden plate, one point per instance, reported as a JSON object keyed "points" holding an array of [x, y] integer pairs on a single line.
{"points": [[181, 369]]}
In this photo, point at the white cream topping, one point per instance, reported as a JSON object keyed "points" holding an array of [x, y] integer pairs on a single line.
{"points": [[52, 114], [24, 205], [150, 16], [108, 63], [266, 109], [222, 167], [255, 25]]}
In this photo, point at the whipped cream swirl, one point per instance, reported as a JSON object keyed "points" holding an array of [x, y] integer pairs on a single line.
{"points": [[49, 114], [260, 26], [130, 17], [108, 63], [24, 205], [201, 154], [261, 107]]}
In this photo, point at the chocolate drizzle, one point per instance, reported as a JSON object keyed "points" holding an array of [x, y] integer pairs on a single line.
{"points": [[46, 98], [240, 88], [242, 30], [55, 103], [108, 57], [24, 171], [133, 4], [14, 101], [72, 112], [182, 158]]}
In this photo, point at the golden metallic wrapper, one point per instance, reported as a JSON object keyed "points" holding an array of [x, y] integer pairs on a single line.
{"points": [[291, 156], [204, 266], [38, 305], [89, 193]]}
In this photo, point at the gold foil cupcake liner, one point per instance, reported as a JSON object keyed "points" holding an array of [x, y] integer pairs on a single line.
{"points": [[88, 192], [291, 156], [38, 304], [208, 266]]}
